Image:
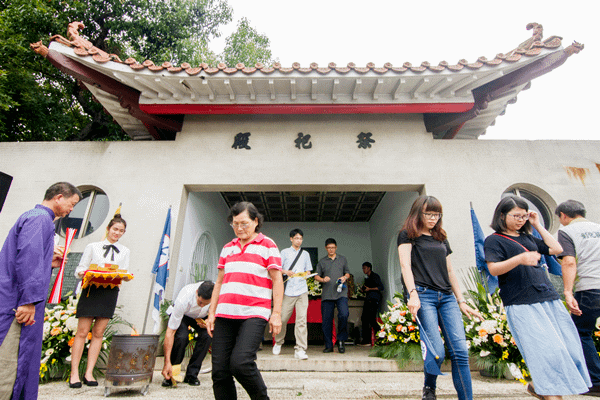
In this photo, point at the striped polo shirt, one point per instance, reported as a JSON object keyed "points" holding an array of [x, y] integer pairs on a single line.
{"points": [[247, 287]]}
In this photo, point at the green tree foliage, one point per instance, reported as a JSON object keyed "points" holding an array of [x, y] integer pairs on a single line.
{"points": [[40, 103], [247, 46]]}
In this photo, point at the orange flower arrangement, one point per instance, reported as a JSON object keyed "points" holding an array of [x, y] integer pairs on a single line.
{"points": [[60, 326], [490, 341], [498, 338]]}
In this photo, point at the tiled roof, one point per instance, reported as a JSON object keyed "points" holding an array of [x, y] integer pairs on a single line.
{"points": [[458, 100], [529, 48]]}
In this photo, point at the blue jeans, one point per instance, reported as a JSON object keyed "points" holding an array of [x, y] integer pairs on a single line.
{"points": [[327, 310], [589, 304], [441, 310]]}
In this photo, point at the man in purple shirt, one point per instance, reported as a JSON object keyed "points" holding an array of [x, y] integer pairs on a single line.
{"points": [[26, 262]]}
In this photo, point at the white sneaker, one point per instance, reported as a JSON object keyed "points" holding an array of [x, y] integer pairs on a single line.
{"points": [[300, 354], [276, 349], [206, 370]]}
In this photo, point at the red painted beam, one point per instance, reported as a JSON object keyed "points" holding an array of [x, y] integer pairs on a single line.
{"points": [[231, 109]]}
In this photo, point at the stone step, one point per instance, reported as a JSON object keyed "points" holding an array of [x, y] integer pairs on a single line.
{"points": [[355, 359]]}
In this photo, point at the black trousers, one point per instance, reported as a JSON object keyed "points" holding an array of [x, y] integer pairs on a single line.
{"points": [[369, 320], [235, 343], [181, 340]]}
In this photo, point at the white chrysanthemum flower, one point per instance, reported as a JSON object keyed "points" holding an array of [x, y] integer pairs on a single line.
{"points": [[381, 334], [391, 338], [71, 324], [46, 328], [489, 325], [401, 320], [484, 353]]}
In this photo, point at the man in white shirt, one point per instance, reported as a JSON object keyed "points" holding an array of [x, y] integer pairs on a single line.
{"points": [[294, 260], [190, 308]]}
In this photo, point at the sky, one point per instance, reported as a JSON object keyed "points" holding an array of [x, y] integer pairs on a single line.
{"points": [[558, 106]]}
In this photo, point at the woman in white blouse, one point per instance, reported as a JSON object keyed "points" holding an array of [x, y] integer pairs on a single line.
{"points": [[97, 303]]}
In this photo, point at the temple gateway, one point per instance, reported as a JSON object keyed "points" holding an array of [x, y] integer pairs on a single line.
{"points": [[337, 151]]}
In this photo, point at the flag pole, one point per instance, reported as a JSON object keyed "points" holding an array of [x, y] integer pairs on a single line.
{"points": [[150, 293], [160, 264]]}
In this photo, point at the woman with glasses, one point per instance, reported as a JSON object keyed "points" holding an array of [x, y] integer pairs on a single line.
{"points": [[249, 276], [434, 292], [537, 319]]}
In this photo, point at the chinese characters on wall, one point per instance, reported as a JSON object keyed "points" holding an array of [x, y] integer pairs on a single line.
{"points": [[302, 141]]}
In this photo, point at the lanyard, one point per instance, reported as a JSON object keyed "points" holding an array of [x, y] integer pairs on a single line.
{"points": [[506, 237]]}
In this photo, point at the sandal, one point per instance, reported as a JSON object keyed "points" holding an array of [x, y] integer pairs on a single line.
{"points": [[531, 391]]}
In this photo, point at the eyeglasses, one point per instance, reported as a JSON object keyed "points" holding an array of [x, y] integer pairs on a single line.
{"points": [[235, 225], [433, 215], [518, 217]]}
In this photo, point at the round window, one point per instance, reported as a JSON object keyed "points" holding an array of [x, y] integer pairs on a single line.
{"points": [[538, 201], [87, 215]]}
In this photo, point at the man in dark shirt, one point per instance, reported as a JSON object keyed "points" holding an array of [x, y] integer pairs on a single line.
{"points": [[373, 288], [333, 272]]}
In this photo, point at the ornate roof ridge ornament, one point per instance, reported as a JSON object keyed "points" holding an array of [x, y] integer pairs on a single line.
{"points": [[529, 48]]}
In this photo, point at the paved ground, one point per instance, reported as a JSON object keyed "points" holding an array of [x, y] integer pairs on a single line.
{"points": [[308, 380], [313, 385]]}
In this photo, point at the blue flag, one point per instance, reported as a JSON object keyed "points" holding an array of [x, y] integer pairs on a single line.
{"points": [[161, 269], [492, 281], [429, 356], [549, 262]]}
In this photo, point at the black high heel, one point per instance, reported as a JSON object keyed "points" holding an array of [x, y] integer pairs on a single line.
{"points": [[76, 385], [89, 383]]}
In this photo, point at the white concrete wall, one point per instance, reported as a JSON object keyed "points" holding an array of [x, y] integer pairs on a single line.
{"points": [[205, 212], [147, 177], [353, 239], [385, 225]]}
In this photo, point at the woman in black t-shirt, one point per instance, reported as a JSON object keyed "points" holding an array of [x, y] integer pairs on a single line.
{"points": [[537, 319], [434, 292]]}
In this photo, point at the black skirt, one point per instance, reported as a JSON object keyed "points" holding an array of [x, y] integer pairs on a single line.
{"points": [[97, 302]]}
